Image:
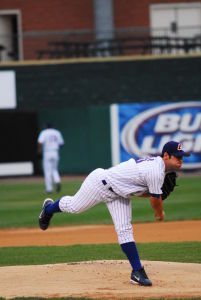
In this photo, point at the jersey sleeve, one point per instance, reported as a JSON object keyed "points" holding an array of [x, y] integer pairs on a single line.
{"points": [[155, 180], [41, 138], [61, 140]]}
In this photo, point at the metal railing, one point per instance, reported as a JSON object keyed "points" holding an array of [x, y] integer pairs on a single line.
{"points": [[120, 46], [72, 44]]}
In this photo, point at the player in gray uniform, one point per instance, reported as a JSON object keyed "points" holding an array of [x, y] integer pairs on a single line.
{"points": [[115, 186], [49, 142]]}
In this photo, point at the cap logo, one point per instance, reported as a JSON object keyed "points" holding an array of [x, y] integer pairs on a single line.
{"points": [[179, 147]]}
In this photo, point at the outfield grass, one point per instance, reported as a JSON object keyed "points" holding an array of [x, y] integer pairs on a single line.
{"points": [[189, 252], [20, 205]]}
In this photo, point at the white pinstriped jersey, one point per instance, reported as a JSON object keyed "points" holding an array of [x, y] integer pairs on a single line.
{"points": [[137, 177], [125, 179], [51, 139]]}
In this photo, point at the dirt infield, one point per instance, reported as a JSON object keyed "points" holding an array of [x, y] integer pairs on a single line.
{"points": [[100, 234], [100, 279]]}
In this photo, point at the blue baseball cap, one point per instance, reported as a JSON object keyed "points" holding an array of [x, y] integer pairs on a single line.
{"points": [[49, 124], [174, 148]]}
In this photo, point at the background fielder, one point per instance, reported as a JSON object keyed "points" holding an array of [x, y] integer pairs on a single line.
{"points": [[49, 142], [115, 186]]}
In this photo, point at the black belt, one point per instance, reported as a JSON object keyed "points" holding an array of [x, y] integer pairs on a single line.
{"points": [[104, 182]]}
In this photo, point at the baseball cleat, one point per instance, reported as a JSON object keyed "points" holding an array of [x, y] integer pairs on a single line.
{"points": [[58, 187], [44, 218], [140, 277]]}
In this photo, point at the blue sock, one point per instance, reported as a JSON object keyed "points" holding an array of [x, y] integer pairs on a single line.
{"points": [[53, 208], [131, 252]]}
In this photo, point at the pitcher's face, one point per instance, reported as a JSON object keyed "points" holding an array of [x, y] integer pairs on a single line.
{"points": [[173, 162]]}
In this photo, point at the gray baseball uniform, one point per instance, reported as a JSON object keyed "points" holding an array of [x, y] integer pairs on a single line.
{"points": [[51, 139]]}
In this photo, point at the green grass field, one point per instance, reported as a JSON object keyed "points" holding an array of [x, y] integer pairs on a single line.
{"points": [[177, 252], [20, 205]]}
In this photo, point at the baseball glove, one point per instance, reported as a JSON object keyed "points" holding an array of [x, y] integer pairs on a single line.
{"points": [[168, 184]]}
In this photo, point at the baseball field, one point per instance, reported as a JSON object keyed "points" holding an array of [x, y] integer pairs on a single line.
{"points": [[79, 257]]}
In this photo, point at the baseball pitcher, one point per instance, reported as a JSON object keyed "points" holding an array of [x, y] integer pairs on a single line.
{"points": [[153, 177]]}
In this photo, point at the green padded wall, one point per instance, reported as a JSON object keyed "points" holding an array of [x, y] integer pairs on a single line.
{"points": [[76, 95], [81, 84], [86, 133]]}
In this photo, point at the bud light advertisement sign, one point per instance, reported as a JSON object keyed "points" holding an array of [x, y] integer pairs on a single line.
{"points": [[140, 130]]}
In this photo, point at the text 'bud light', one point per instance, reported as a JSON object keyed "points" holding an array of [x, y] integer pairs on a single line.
{"points": [[145, 128]]}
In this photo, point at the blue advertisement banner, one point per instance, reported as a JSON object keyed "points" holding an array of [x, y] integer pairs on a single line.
{"points": [[145, 128]]}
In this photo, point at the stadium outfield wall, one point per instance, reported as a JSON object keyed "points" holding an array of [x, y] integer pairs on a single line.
{"points": [[76, 95]]}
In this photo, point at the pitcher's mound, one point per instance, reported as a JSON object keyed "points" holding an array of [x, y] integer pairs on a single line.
{"points": [[100, 279]]}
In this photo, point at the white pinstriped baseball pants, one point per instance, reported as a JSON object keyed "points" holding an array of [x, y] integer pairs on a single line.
{"points": [[92, 192]]}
